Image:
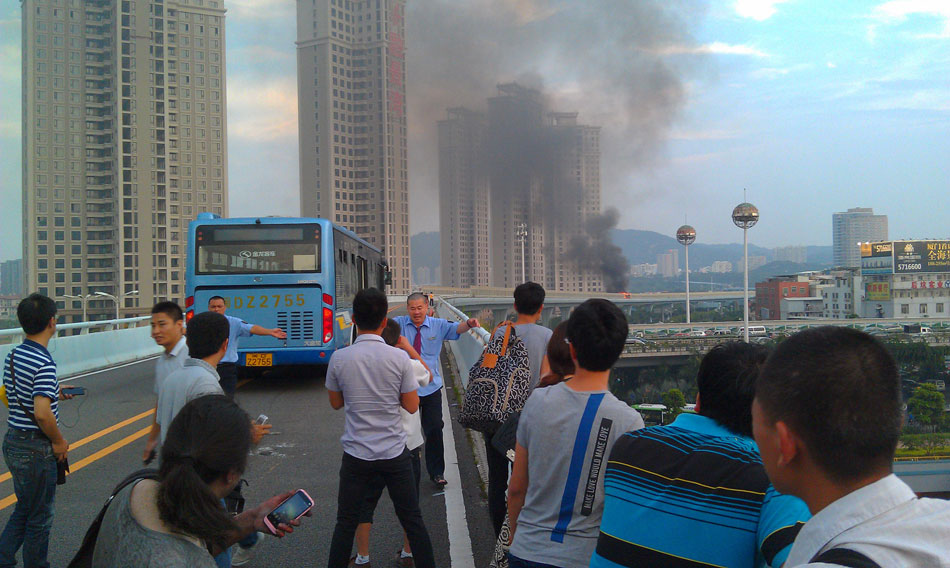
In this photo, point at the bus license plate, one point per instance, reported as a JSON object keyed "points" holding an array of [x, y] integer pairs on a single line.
{"points": [[259, 360]]}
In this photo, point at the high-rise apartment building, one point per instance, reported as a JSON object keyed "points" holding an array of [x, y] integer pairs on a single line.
{"points": [[11, 277], [855, 226], [516, 185], [124, 143], [351, 89]]}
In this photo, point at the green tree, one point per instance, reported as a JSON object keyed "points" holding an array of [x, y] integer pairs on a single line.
{"points": [[926, 404], [674, 402]]}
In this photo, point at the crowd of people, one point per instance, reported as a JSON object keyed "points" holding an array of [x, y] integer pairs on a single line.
{"points": [[786, 461]]}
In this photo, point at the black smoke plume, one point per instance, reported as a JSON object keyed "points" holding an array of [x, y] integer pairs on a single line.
{"points": [[595, 251]]}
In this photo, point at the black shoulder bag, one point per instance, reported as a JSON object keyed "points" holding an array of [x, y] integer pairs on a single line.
{"points": [[845, 557], [62, 466], [83, 558]]}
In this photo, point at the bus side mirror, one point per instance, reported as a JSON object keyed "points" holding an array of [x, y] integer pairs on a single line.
{"points": [[388, 278]]}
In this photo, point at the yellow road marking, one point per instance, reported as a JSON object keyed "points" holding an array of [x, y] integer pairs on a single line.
{"points": [[97, 435], [11, 499]]}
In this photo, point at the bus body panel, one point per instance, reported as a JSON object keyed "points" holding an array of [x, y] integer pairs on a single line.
{"points": [[312, 295]]}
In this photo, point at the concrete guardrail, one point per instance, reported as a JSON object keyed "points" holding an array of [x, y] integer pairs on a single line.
{"points": [[99, 345]]}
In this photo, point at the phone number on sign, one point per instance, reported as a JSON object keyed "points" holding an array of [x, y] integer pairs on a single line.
{"points": [[265, 301]]}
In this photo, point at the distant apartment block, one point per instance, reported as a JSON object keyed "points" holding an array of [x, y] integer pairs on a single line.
{"points": [[755, 261], [516, 184], [11, 277], [797, 254], [668, 263], [351, 100], [721, 266], [643, 269], [850, 229], [770, 294], [125, 142]]}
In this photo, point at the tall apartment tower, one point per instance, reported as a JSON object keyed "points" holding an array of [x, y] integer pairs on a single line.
{"points": [[463, 200], [351, 89], [852, 227], [124, 142], [516, 185]]}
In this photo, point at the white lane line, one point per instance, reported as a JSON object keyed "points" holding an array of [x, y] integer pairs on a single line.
{"points": [[460, 541], [90, 373]]}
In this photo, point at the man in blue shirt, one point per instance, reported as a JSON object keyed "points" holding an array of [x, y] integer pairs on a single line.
{"points": [[426, 335], [33, 443], [227, 368], [695, 492]]}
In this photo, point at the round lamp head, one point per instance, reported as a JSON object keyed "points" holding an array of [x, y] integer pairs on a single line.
{"points": [[686, 235], [745, 215]]}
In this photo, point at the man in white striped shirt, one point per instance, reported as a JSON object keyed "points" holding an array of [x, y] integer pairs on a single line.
{"points": [[33, 442]]}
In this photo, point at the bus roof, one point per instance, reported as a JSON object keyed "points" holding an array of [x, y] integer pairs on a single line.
{"points": [[206, 218]]}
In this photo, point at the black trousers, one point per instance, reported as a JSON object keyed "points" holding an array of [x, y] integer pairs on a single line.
{"points": [[497, 485], [430, 412], [227, 373], [357, 478]]}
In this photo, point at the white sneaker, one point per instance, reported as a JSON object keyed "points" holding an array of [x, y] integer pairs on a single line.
{"points": [[241, 555]]}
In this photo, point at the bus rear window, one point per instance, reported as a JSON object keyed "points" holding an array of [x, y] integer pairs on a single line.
{"points": [[257, 249]]}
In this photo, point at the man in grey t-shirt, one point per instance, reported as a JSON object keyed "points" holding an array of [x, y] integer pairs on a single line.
{"points": [[566, 431], [529, 301]]}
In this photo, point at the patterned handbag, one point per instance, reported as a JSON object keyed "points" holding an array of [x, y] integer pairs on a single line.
{"points": [[498, 383]]}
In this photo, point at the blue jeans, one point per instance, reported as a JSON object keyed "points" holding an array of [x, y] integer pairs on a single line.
{"points": [[33, 468], [515, 562]]}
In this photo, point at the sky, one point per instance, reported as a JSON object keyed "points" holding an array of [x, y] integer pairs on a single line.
{"points": [[810, 106]]}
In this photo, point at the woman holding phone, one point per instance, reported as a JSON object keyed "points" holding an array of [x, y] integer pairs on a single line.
{"points": [[178, 520]]}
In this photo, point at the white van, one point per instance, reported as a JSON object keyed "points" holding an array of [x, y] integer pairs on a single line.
{"points": [[754, 331]]}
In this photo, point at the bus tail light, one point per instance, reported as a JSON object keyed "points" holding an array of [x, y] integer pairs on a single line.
{"points": [[188, 315], [328, 299], [189, 301], [327, 325]]}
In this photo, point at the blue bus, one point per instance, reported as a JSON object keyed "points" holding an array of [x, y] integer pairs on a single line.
{"points": [[298, 274]]}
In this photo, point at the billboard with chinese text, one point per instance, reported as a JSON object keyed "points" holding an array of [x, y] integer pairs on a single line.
{"points": [[877, 291], [877, 258], [913, 257]]}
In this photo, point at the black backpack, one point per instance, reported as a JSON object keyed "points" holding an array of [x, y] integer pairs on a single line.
{"points": [[498, 383], [83, 558]]}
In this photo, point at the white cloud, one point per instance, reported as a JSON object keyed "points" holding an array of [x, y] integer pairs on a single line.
{"points": [[716, 47], [262, 9], [831, 65], [759, 10], [262, 112], [712, 134], [897, 11]]}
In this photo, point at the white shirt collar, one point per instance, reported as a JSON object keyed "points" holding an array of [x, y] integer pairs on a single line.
{"points": [[848, 512], [177, 348]]}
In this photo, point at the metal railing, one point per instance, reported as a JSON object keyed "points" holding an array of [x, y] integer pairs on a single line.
{"points": [[16, 335], [469, 346]]}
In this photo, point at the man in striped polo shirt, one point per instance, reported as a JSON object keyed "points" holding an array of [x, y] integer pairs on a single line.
{"points": [[33, 442], [695, 493]]}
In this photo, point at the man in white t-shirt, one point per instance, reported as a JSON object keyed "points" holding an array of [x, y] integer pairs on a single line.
{"points": [[827, 418], [168, 330]]}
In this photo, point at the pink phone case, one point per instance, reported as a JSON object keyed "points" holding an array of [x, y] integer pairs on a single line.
{"points": [[267, 521]]}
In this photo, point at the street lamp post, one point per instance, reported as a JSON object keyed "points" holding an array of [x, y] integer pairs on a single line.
{"points": [[521, 233], [745, 216], [686, 236], [115, 299], [83, 300]]}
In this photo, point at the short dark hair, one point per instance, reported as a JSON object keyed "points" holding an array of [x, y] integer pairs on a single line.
{"points": [[370, 307], [839, 390], [417, 296], [213, 298], [209, 437], [528, 298], [391, 332], [207, 331], [34, 313], [171, 309], [597, 329], [726, 382]]}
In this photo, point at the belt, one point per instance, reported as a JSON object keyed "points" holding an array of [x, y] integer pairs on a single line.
{"points": [[28, 434]]}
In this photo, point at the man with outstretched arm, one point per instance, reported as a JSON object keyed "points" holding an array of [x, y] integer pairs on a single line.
{"points": [[227, 368], [426, 335]]}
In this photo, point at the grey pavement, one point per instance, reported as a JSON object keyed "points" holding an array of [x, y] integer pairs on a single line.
{"points": [[303, 451]]}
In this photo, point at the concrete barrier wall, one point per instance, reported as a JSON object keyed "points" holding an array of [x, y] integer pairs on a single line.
{"points": [[77, 354]]}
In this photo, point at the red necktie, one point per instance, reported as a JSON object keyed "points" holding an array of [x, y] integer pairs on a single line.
{"points": [[417, 342]]}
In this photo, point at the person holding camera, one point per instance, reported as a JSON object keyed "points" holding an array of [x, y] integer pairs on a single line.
{"points": [[33, 445], [177, 521]]}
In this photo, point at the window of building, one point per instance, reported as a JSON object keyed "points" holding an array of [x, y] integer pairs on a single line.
{"points": [[923, 308], [905, 308]]}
